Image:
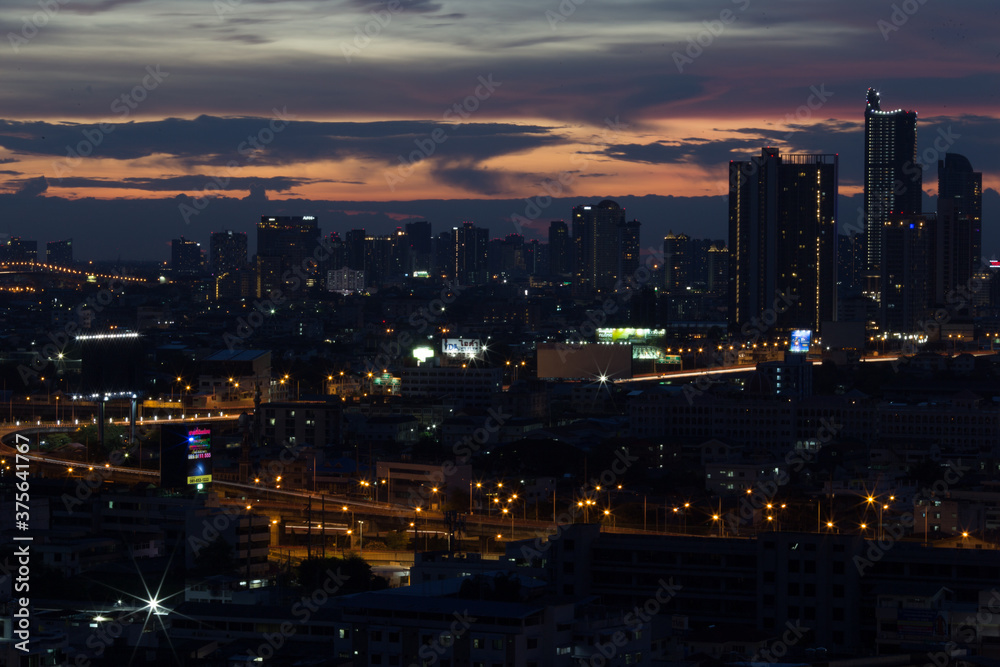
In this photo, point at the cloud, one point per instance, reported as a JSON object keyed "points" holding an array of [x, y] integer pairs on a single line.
{"points": [[89, 8], [187, 183], [28, 187], [209, 140]]}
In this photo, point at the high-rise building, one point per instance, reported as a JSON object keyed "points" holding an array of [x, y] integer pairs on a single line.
{"points": [[444, 255], [629, 246], [675, 262], [908, 280], [783, 241], [421, 248], [851, 261], [185, 257], [355, 247], [470, 254], [59, 253], [228, 250], [893, 178], [17, 249], [959, 233], [560, 249], [386, 257], [286, 244], [718, 268], [596, 237]]}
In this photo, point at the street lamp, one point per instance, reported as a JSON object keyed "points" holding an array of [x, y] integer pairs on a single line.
{"points": [[361, 537], [479, 485], [416, 517]]}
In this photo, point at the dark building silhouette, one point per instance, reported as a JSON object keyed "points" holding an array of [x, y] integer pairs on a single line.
{"points": [[228, 250], [783, 240], [718, 268], [355, 248], [284, 244], [421, 246], [851, 261], [470, 254], [444, 255], [908, 279], [185, 256], [676, 260], [560, 249], [629, 247], [59, 253], [17, 249], [959, 237], [596, 237], [893, 178]]}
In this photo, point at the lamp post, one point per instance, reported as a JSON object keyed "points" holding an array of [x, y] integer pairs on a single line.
{"points": [[361, 537], [416, 518]]}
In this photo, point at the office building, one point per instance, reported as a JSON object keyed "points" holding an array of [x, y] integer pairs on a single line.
{"points": [[675, 261], [185, 257], [444, 255], [893, 178], [596, 237], [345, 281], [285, 244], [629, 246], [17, 249], [560, 249], [470, 260], [959, 237], [783, 241], [908, 280], [59, 253], [228, 250], [421, 244]]}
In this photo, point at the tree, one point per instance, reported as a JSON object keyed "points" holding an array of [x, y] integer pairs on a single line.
{"points": [[339, 576], [115, 436]]}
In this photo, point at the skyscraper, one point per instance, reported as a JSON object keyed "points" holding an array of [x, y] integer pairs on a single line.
{"points": [[783, 241], [59, 253], [907, 271], [596, 236], [285, 244], [893, 178], [185, 256], [629, 246], [560, 249], [470, 254], [959, 232], [675, 262], [419, 235], [228, 250]]}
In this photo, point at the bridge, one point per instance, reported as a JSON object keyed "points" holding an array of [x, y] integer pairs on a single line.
{"points": [[65, 273]]}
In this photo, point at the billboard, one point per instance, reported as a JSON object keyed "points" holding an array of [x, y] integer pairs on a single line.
{"points": [[584, 361], [465, 347], [185, 455], [630, 335], [801, 340]]}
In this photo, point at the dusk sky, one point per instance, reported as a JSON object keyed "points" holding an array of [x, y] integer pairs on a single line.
{"points": [[612, 98]]}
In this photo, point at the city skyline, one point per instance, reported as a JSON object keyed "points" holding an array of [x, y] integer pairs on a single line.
{"points": [[367, 127]]}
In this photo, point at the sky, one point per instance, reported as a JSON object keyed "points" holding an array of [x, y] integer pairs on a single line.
{"points": [[190, 112]]}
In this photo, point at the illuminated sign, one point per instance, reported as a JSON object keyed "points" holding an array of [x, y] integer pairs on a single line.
{"points": [[422, 353], [627, 334], [801, 339], [466, 347], [199, 456], [421, 274]]}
